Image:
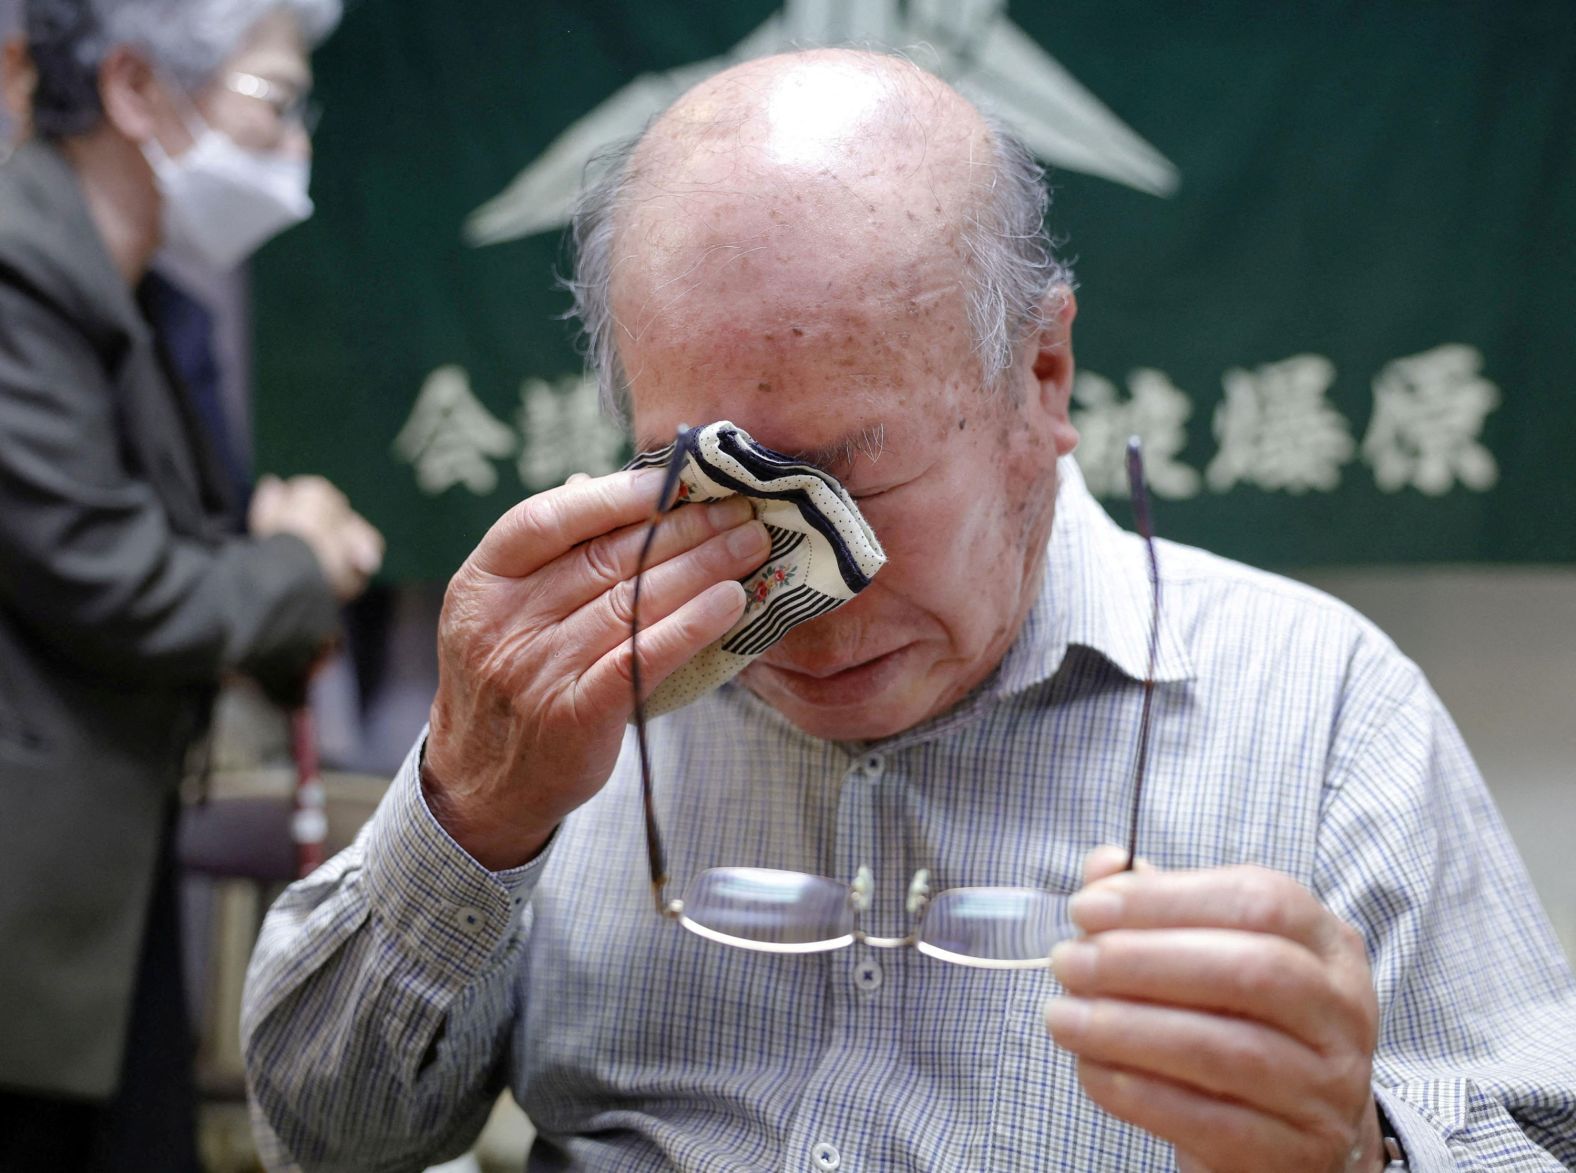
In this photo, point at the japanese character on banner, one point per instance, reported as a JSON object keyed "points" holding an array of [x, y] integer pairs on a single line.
{"points": [[1156, 411], [451, 438], [1276, 430], [564, 431], [1428, 416]]}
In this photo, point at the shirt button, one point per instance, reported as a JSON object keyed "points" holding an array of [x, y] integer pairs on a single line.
{"points": [[470, 921], [874, 766], [826, 1157], [868, 976]]}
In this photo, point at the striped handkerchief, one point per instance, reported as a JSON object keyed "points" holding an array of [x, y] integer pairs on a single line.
{"points": [[823, 552]]}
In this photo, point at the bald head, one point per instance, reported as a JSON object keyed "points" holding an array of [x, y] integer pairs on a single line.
{"points": [[861, 135], [832, 168], [827, 173], [816, 105]]}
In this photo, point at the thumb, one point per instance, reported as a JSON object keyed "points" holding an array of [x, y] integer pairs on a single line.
{"points": [[367, 545], [267, 496], [1109, 859]]}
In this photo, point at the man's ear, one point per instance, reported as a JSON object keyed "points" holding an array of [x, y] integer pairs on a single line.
{"points": [[134, 102], [1053, 366]]}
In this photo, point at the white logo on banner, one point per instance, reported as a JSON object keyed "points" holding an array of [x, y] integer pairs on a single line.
{"points": [[970, 43], [563, 430], [1276, 430], [451, 438], [1156, 412], [1428, 414]]}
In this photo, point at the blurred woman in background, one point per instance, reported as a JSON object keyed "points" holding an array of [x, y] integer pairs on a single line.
{"points": [[180, 128]]}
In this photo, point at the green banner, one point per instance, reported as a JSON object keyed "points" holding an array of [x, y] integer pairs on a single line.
{"points": [[1325, 254]]}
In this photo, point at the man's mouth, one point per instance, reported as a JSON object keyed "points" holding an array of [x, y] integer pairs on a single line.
{"points": [[836, 684]]}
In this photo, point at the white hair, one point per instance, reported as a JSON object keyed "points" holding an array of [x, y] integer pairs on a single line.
{"points": [[1009, 257], [188, 39]]}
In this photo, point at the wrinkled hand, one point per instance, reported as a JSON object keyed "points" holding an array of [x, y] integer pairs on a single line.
{"points": [[347, 547], [1226, 1011], [534, 656]]}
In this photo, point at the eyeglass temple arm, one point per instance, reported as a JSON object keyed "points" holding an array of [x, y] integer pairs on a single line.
{"points": [[656, 854], [1140, 497]]}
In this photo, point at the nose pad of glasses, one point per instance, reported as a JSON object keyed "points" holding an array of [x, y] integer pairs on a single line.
{"points": [[769, 910], [994, 928]]}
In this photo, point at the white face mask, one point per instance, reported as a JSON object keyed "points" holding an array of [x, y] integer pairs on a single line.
{"points": [[222, 202]]}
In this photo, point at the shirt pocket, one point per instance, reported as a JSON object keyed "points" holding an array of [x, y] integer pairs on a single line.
{"points": [[1043, 1119]]}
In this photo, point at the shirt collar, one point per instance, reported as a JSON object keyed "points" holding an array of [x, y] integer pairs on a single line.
{"points": [[1095, 594]]}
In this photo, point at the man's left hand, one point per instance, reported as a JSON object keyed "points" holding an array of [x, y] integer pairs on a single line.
{"points": [[1226, 1011]]}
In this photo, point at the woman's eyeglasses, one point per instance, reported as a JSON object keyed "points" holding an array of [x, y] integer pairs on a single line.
{"points": [[775, 911], [294, 107]]}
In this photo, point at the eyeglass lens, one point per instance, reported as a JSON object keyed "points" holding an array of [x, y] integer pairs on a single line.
{"points": [[793, 912]]}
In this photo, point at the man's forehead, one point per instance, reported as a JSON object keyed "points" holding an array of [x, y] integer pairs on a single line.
{"points": [[786, 300], [809, 364], [814, 234]]}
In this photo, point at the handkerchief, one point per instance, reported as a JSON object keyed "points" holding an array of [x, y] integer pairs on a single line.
{"points": [[823, 552]]}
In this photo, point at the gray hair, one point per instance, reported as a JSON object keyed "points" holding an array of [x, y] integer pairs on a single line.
{"points": [[188, 39], [1009, 255]]}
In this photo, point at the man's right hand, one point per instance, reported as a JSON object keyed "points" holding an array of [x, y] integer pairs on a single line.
{"points": [[534, 656]]}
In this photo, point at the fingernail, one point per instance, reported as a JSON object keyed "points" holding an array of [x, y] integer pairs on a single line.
{"points": [[723, 601], [727, 514], [1095, 908], [1067, 1018], [748, 540], [1073, 962]]}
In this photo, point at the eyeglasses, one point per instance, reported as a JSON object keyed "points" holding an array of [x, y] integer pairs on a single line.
{"points": [[775, 911], [294, 107]]}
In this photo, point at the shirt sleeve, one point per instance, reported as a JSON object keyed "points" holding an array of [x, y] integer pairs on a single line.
{"points": [[1476, 1063], [380, 1000]]}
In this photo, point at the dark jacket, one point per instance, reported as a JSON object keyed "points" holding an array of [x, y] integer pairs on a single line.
{"points": [[123, 601]]}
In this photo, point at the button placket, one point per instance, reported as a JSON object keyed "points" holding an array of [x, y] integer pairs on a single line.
{"points": [[835, 1080]]}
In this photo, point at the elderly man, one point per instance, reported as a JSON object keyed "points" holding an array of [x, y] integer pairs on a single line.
{"points": [[126, 596], [836, 252]]}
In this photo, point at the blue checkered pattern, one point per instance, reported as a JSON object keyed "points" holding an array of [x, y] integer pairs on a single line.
{"points": [[397, 990]]}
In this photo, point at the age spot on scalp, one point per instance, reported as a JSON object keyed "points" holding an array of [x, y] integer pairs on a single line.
{"points": [[797, 332], [763, 386]]}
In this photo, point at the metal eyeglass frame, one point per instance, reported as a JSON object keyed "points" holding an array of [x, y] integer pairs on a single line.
{"points": [[858, 893], [293, 109]]}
